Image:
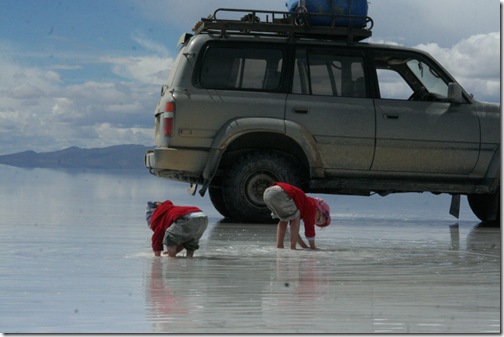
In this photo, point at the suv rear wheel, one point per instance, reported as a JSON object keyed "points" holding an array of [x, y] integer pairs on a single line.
{"points": [[485, 206], [248, 177]]}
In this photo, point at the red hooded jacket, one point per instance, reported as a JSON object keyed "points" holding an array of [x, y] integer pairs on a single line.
{"points": [[163, 217], [306, 206]]}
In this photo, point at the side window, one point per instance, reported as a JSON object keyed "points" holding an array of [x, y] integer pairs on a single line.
{"points": [[409, 77], [392, 85], [241, 68], [327, 73]]}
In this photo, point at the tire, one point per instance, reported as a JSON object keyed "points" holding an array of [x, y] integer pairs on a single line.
{"points": [[217, 200], [251, 174], [485, 206]]}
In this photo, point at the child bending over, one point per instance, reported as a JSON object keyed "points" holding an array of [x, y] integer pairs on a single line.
{"points": [[175, 227], [290, 204]]}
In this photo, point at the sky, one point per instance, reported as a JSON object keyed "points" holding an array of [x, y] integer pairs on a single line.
{"points": [[88, 73]]}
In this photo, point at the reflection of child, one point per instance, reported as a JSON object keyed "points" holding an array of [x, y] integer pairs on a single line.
{"points": [[290, 204], [175, 227]]}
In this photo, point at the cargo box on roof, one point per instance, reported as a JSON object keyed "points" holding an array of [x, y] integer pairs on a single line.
{"points": [[341, 13]]}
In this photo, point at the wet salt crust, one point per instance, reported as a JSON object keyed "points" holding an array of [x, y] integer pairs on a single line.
{"points": [[75, 258]]}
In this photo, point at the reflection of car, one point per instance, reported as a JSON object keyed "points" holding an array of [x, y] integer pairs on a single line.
{"points": [[248, 103], [484, 239]]}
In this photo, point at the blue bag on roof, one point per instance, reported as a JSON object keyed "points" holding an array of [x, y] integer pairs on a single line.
{"points": [[344, 13]]}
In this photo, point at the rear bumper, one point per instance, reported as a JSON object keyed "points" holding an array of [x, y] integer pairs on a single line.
{"points": [[178, 164]]}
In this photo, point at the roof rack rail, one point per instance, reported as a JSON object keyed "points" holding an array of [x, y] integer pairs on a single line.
{"points": [[281, 23]]}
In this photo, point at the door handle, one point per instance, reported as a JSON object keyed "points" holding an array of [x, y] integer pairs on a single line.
{"points": [[300, 110], [391, 116]]}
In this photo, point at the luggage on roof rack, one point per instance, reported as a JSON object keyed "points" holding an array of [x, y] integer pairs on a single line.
{"points": [[338, 13], [284, 23]]}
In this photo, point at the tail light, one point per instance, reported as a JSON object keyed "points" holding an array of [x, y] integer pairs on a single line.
{"points": [[168, 115]]}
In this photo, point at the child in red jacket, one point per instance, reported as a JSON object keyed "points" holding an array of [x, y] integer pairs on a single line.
{"points": [[290, 204], [175, 227]]}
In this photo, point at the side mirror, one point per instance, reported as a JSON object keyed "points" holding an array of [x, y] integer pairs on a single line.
{"points": [[455, 94]]}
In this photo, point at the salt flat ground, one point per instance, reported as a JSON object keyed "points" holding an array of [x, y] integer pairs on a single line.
{"points": [[75, 258]]}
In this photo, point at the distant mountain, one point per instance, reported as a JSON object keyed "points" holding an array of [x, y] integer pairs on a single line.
{"points": [[113, 157]]}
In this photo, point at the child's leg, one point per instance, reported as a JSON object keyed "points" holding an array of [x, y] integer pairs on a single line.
{"points": [[172, 251], [281, 229], [294, 232], [191, 246]]}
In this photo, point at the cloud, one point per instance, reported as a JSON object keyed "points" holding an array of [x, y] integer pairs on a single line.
{"points": [[474, 61], [38, 111], [65, 67], [144, 69], [426, 21], [93, 103], [25, 91], [21, 81], [477, 55], [151, 68], [114, 93], [124, 135], [193, 10], [150, 45]]}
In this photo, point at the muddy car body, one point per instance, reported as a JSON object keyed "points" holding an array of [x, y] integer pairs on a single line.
{"points": [[244, 108]]}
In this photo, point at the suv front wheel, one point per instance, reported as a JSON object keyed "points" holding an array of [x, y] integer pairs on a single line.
{"points": [[245, 182]]}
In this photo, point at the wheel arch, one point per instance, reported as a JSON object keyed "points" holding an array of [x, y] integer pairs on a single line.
{"points": [[270, 141], [256, 133]]}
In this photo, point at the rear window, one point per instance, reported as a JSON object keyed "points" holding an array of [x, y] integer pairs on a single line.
{"points": [[241, 68]]}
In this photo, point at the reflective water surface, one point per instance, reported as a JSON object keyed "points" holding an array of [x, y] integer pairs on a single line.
{"points": [[75, 257]]}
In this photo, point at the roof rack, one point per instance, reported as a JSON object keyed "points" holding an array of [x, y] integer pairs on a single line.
{"points": [[279, 23]]}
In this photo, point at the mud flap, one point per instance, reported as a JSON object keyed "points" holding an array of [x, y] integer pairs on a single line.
{"points": [[455, 205], [204, 188]]}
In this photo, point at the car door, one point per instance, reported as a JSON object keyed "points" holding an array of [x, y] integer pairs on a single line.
{"points": [[418, 131], [329, 101]]}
